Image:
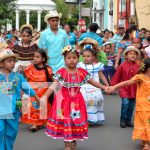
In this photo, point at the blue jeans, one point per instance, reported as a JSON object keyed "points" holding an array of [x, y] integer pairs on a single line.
{"points": [[127, 108], [8, 132]]}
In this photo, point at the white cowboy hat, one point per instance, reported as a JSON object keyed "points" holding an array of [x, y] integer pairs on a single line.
{"points": [[88, 41], [52, 14], [7, 53], [107, 43], [131, 48]]}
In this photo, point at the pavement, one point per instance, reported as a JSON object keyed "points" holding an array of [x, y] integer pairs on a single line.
{"points": [[105, 137]]}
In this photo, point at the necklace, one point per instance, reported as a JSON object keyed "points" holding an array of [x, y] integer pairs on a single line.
{"points": [[27, 46], [92, 70], [71, 90]]}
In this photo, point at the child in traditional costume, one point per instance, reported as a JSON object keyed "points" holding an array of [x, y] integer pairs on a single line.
{"points": [[11, 84], [126, 71], [93, 96], [25, 48], [39, 75], [142, 112], [68, 116]]}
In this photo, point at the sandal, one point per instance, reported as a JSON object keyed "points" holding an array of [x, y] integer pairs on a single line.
{"points": [[34, 128], [68, 146], [146, 146], [73, 145]]}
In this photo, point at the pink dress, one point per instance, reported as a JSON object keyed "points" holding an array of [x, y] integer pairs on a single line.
{"points": [[68, 116]]}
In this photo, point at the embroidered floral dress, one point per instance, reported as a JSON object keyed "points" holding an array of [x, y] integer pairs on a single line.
{"points": [[142, 112], [68, 116], [93, 96]]}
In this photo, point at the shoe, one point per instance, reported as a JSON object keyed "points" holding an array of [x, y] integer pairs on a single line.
{"points": [[123, 124], [33, 128], [129, 124]]}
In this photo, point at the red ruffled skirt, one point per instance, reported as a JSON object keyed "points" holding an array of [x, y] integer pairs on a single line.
{"points": [[68, 117]]}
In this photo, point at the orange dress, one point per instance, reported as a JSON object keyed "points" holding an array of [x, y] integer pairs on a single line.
{"points": [[31, 114], [142, 113]]}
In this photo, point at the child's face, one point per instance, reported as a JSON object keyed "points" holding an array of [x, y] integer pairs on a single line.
{"points": [[131, 56], [136, 45], [26, 38], [9, 63], [87, 57], [38, 58], [107, 49], [71, 60]]}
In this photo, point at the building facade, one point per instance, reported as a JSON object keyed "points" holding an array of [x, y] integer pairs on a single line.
{"points": [[109, 13]]}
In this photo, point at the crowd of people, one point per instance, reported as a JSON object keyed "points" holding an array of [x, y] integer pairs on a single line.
{"points": [[57, 78]]}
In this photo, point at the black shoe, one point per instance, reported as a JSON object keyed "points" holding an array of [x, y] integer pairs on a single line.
{"points": [[129, 124], [123, 124]]}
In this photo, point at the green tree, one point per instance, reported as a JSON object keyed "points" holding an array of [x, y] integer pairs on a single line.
{"points": [[6, 11]]}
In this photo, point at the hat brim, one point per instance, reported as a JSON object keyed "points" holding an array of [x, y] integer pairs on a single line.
{"points": [[135, 50], [88, 41], [13, 55], [49, 16]]}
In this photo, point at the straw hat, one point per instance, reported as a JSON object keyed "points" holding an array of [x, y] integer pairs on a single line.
{"points": [[131, 48], [107, 43], [7, 53], [26, 26], [3, 46], [88, 41], [52, 14]]}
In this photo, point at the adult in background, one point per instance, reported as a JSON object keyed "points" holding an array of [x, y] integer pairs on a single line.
{"points": [[106, 36], [117, 38], [54, 39], [92, 34], [72, 37]]}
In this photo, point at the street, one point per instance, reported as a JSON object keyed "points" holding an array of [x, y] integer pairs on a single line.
{"points": [[106, 137]]}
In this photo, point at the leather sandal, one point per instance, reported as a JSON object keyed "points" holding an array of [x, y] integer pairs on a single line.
{"points": [[73, 145]]}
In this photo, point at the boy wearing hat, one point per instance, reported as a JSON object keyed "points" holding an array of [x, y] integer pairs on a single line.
{"points": [[126, 71], [11, 84]]}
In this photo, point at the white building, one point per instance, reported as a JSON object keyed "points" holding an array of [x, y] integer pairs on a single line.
{"points": [[33, 5]]}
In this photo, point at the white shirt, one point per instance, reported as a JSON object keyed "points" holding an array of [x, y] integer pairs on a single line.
{"points": [[147, 50]]}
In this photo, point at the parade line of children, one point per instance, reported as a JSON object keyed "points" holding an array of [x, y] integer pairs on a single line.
{"points": [[78, 97]]}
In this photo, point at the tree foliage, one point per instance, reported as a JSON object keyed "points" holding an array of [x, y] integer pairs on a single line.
{"points": [[6, 11], [70, 12]]}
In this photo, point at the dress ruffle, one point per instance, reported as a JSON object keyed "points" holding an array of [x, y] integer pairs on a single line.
{"points": [[36, 75], [62, 75]]}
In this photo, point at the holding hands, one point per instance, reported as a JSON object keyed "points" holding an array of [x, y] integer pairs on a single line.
{"points": [[110, 89]]}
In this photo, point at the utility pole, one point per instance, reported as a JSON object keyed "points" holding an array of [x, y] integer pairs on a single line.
{"points": [[79, 2]]}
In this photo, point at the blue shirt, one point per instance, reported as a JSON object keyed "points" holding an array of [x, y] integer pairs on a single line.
{"points": [[54, 43], [10, 92], [93, 36], [116, 40], [72, 38]]}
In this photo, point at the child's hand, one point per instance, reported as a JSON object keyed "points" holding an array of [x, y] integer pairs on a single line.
{"points": [[110, 89], [43, 101]]}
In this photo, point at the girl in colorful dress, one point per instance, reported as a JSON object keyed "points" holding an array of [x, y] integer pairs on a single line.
{"points": [[38, 74], [68, 116], [93, 96], [25, 48], [142, 112], [126, 71]]}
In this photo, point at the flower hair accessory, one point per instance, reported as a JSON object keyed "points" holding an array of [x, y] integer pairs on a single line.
{"points": [[142, 67], [69, 48]]}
